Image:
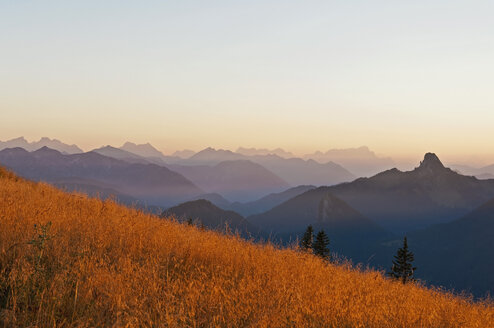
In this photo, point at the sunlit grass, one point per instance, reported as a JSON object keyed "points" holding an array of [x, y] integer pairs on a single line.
{"points": [[101, 264]]}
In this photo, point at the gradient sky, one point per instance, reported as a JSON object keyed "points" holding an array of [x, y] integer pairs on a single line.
{"points": [[402, 77]]}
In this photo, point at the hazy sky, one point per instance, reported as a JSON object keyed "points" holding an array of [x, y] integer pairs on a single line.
{"points": [[402, 77]]}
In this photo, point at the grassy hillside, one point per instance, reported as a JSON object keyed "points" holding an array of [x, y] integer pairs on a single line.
{"points": [[100, 264]]}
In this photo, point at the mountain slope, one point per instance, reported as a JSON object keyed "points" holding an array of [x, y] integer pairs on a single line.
{"points": [[204, 212], [100, 264], [148, 182], [235, 180]]}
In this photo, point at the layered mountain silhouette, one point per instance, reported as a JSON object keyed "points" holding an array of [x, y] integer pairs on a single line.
{"points": [[236, 180], [360, 161], [43, 142], [256, 206], [399, 202], [203, 212], [154, 184], [295, 171]]}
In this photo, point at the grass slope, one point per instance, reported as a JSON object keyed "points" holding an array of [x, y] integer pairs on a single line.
{"points": [[101, 264]]}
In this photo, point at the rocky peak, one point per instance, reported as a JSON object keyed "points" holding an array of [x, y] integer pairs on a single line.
{"points": [[431, 163]]}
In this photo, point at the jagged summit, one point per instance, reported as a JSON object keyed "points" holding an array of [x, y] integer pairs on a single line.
{"points": [[431, 162]]}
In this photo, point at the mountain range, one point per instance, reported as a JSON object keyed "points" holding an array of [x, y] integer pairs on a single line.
{"points": [[406, 201], [263, 151], [154, 184]]}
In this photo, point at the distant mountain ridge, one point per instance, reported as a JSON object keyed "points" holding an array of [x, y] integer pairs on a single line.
{"points": [[21, 142], [144, 150], [263, 151], [360, 161]]}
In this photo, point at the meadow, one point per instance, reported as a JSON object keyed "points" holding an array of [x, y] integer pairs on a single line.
{"points": [[67, 260]]}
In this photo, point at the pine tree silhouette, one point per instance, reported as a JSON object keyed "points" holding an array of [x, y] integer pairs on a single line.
{"points": [[307, 239], [402, 268], [321, 245]]}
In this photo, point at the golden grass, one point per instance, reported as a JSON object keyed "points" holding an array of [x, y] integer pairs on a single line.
{"points": [[104, 265]]}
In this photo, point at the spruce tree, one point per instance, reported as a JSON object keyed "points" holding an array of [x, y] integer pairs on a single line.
{"points": [[307, 239], [402, 268], [321, 245]]}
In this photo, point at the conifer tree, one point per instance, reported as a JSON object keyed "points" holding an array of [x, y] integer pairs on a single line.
{"points": [[307, 239], [321, 245], [402, 268]]}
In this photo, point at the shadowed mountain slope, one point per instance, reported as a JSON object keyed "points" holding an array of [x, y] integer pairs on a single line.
{"points": [[351, 233], [458, 254]]}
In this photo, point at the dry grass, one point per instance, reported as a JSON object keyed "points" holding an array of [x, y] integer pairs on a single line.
{"points": [[103, 265]]}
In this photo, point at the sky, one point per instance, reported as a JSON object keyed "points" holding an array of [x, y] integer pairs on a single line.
{"points": [[402, 77]]}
